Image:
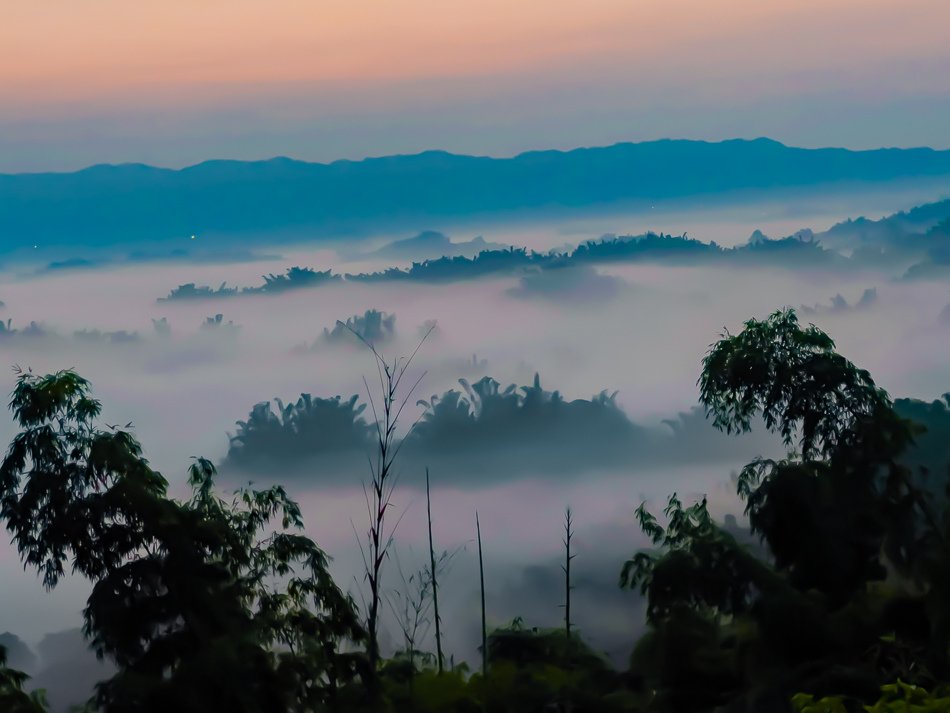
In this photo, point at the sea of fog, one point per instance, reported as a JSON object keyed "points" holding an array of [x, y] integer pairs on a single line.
{"points": [[639, 330]]}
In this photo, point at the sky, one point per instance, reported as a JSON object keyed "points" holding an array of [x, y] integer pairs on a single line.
{"points": [[175, 82]]}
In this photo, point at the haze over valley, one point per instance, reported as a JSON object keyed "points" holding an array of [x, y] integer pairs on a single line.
{"points": [[586, 357], [619, 325]]}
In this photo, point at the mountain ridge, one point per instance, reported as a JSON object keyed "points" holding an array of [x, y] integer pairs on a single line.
{"points": [[116, 204], [283, 159]]}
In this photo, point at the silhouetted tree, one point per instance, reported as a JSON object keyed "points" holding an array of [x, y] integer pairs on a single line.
{"points": [[13, 699], [566, 567], [183, 597], [481, 581], [435, 584], [383, 480], [373, 327], [835, 515]]}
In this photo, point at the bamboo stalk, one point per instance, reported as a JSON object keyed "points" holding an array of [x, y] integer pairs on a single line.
{"points": [[435, 586], [481, 574]]}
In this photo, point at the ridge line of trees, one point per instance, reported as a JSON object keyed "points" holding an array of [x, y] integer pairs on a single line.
{"points": [[782, 252]]}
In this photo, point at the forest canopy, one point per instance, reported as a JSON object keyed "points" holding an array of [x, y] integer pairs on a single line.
{"points": [[830, 596]]}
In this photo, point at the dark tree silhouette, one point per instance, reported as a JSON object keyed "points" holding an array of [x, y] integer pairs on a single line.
{"points": [[13, 699], [183, 597], [435, 584], [384, 477], [373, 327], [836, 516], [566, 568]]}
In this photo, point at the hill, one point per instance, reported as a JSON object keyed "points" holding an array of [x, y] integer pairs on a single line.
{"points": [[111, 205]]}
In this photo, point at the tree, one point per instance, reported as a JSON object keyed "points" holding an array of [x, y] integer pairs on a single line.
{"points": [[897, 697], [412, 604], [533, 669], [382, 483], [838, 516], [826, 511], [433, 571], [481, 580], [185, 598], [696, 579], [566, 568], [300, 614], [13, 699]]}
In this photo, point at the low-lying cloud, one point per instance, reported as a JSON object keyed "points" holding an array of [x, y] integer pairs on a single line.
{"points": [[518, 457]]}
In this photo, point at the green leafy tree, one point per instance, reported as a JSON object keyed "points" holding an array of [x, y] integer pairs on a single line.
{"points": [[845, 531], [827, 510], [897, 697], [185, 596], [298, 611], [13, 699], [545, 670]]}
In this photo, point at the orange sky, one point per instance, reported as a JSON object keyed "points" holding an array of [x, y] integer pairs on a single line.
{"points": [[63, 59], [64, 50]]}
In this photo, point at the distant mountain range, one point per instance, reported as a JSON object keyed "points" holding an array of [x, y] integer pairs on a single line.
{"points": [[110, 205], [891, 231]]}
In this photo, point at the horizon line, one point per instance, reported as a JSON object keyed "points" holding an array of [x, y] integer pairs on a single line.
{"points": [[425, 152]]}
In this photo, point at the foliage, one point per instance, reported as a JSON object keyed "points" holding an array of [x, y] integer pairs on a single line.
{"points": [[459, 267], [840, 305], [484, 415], [847, 480], [305, 617], [650, 247], [190, 291], [392, 400], [372, 326], [534, 669], [218, 325], [414, 601], [34, 329], [294, 278], [839, 587], [432, 692], [13, 699], [644, 247], [856, 557], [529, 669], [695, 563], [296, 431], [185, 596], [898, 697], [929, 456], [481, 421]]}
